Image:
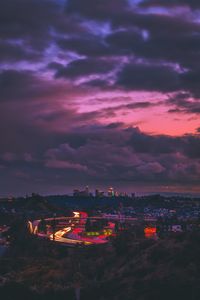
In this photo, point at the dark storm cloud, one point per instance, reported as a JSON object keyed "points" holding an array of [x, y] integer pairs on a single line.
{"points": [[191, 81], [143, 143], [54, 66], [158, 39], [84, 67], [125, 40], [115, 110], [25, 85], [188, 145], [118, 154], [171, 39], [13, 84], [163, 43], [28, 26], [148, 77], [180, 49], [114, 125], [191, 3], [12, 53], [169, 24], [27, 19], [137, 105], [184, 103], [89, 45], [98, 153], [30, 112], [35, 18], [99, 9], [97, 83]]}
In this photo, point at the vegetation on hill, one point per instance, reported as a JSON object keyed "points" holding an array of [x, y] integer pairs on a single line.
{"points": [[132, 267]]}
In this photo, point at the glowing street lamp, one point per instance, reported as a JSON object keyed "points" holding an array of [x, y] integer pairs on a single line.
{"points": [[76, 214]]}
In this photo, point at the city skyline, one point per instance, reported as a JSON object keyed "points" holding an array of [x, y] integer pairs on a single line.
{"points": [[104, 93]]}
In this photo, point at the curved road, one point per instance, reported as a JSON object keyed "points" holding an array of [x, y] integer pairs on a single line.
{"points": [[70, 235]]}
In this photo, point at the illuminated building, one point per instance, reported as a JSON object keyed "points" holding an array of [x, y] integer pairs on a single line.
{"points": [[150, 232], [111, 192]]}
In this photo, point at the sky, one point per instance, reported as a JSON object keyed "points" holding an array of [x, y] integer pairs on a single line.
{"points": [[99, 93]]}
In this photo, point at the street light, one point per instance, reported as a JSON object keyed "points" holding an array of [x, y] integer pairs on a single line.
{"points": [[54, 225]]}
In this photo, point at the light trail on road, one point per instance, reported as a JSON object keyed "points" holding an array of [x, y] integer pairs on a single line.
{"points": [[59, 237], [71, 235]]}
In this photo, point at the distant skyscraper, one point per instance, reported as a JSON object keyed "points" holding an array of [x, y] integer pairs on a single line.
{"points": [[87, 192], [111, 192]]}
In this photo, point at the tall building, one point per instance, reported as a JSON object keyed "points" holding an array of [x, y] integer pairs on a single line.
{"points": [[87, 192], [111, 192], [116, 194]]}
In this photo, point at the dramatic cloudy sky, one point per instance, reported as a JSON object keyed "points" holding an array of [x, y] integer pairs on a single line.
{"points": [[99, 92]]}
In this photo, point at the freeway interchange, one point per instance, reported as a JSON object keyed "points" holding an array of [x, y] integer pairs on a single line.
{"points": [[71, 231]]}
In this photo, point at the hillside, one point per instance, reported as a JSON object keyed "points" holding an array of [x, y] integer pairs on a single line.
{"points": [[130, 269]]}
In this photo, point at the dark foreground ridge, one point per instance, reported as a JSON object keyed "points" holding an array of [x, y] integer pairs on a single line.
{"points": [[130, 266]]}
